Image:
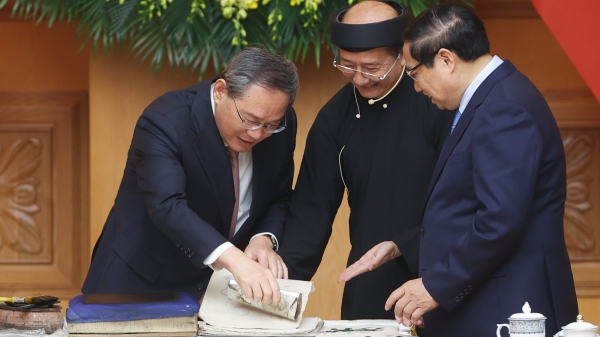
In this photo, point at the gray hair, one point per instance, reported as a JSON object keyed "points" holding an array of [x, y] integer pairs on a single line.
{"points": [[264, 68]]}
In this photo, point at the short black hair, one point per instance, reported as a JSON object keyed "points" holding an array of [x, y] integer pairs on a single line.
{"points": [[451, 26]]}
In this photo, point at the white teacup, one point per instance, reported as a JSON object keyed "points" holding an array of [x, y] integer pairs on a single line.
{"points": [[525, 324], [579, 328]]}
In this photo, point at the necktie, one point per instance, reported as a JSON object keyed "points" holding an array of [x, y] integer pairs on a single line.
{"points": [[235, 170], [456, 118]]}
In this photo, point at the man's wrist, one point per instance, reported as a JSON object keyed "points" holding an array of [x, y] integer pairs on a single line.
{"points": [[271, 237], [215, 254]]}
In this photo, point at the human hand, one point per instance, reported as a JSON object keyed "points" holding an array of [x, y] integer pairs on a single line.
{"points": [[375, 257], [411, 301], [256, 281], [260, 249]]}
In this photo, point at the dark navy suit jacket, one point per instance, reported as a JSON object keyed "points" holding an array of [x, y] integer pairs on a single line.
{"points": [[176, 199], [492, 231]]}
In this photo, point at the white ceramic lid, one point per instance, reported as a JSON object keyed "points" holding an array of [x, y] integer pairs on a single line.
{"points": [[580, 325], [527, 314]]}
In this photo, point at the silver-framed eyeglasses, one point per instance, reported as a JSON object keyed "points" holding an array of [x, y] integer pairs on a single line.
{"points": [[348, 70], [251, 126]]}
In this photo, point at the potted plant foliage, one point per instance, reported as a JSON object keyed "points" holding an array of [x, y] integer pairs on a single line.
{"points": [[191, 33]]}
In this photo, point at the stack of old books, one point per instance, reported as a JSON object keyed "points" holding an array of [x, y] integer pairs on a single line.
{"points": [[164, 314]]}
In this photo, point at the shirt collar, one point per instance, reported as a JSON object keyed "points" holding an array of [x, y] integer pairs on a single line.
{"points": [[483, 74], [212, 98]]}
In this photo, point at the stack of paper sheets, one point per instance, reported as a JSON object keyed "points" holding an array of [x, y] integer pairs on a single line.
{"points": [[223, 316], [359, 328], [364, 328], [308, 327]]}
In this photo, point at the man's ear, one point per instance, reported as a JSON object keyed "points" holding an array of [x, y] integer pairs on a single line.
{"points": [[220, 89], [448, 58], [402, 60]]}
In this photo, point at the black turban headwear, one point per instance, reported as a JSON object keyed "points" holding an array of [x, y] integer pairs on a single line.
{"points": [[362, 37]]}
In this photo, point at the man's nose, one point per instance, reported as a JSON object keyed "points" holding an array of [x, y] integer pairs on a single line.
{"points": [[417, 87], [256, 134], [359, 78]]}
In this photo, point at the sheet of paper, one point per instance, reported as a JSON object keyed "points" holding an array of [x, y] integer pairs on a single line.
{"points": [[219, 311], [309, 326], [363, 328]]}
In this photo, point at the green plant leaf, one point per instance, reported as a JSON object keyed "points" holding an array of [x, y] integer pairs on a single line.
{"points": [[190, 41]]}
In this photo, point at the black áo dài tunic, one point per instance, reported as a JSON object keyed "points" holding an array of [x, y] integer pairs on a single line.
{"points": [[387, 159]]}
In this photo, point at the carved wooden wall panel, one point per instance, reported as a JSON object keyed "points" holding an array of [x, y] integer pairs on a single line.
{"points": [[578, 116], [583, 175], [25, 194], [44, 176]]}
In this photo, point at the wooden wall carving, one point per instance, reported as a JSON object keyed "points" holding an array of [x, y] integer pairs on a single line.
{"points": [[578, 115], [25, 204], [44, 227], [580, 234]]}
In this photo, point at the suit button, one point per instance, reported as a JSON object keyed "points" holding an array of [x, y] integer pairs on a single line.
{"points": [[422, 232], [200, 286], [456, 299], [191, 254], [179, 244]]}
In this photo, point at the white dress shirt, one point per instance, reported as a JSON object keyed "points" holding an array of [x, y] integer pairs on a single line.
{"points": [[483, 74], [246, 173]]}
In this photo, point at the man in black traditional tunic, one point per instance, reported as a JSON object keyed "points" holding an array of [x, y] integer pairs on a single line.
{"points": [[378, 138]]}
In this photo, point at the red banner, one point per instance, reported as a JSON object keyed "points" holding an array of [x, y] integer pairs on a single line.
{"points": [[576, 26]]}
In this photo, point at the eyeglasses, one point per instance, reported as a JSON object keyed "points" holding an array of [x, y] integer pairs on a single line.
{"points": [[348, 70], [411, 72], [251, 126]]}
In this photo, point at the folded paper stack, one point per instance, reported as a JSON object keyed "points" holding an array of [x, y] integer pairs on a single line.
{"points": [[289, 306], [226, 311]]}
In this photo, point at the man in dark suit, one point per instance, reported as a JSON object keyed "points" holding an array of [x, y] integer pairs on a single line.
{"points": [[176, 215], [492, 231]]}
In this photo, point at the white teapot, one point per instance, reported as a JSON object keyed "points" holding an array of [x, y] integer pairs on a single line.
{"points": [[578, 329], [525, 324]]}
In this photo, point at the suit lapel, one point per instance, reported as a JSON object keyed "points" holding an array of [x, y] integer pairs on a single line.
{"points": [[505, 69], [451, 141], [260, 152], [260, 174], [212, 154]]}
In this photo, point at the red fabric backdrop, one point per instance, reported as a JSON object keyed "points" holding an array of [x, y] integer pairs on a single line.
{"points": [[576, 26]]}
